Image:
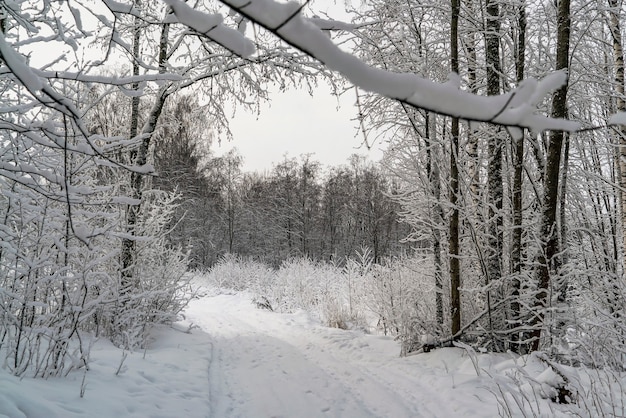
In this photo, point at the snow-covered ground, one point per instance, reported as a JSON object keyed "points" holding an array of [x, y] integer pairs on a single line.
{"points": [[240, 361], [286, 365]]}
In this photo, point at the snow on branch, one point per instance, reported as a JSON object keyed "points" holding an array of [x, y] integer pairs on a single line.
{"points": [[211, 26], [330, 24], [37, 86], [117, 7], [514, 109], [43, 92]]}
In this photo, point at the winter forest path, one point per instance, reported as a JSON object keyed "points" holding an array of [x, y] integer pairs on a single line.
{"points": [[265, 364]]}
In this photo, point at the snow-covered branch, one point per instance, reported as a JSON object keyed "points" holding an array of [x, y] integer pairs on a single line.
{"points": [[211, 26], [514, 109], [102, 79]]}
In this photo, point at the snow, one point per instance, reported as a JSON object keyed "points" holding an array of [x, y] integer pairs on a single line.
{"points": [[211, 25], [228, 358], [169, 381], [267, 364], [117, 7], [18, 66]]}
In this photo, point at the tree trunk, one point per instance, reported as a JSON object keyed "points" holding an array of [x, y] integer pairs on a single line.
{"points": [[495, 146], [548, 234], [132, 211], [618, 57], [435, 184], [453, 243], [518, 167], [139, 157], [472, 140]]}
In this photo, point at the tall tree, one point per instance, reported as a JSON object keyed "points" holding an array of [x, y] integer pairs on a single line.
{"points": [[549, 250], [518, 172], [495, 145], [453, 239], [138, 157], [615, 8]]}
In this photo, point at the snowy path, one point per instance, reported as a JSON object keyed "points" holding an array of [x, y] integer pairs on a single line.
{"points": [[275, 365]]}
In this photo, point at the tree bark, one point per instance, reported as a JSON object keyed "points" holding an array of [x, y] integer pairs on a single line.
{"points": [[128, 244], [435, 184], [618, 58], [139, 157], [472, 140]]}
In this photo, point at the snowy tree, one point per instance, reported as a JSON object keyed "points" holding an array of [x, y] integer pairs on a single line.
{"points": [[79, 215]]}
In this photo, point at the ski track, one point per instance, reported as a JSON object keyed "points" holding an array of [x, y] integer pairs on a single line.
{"points": [[265, 364]]}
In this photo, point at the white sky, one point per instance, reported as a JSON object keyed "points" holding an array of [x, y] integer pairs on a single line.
{"points": [[294, 123]]}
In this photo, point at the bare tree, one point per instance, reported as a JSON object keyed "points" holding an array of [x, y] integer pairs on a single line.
{"points": [[547, 268], [453, 240]]}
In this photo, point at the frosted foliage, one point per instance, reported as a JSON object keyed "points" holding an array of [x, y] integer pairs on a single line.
{"points": [[390, 299], [59, 252], [160, 292], [233, 273]]}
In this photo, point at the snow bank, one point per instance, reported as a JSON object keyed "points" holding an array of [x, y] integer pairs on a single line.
{"points": [[167, 380]]}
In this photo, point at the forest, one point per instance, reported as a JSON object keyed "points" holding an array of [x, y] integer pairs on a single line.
{"points": [[495, 220]]}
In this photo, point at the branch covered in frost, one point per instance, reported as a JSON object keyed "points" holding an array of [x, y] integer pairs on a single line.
{"points": [[43, 92], [513, 109], [101, 79]]}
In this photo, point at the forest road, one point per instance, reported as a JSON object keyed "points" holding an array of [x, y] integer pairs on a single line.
{"points": [[265, 364]]}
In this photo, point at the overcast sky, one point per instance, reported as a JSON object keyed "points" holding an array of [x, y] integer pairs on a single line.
{"points": [[295, 123]]}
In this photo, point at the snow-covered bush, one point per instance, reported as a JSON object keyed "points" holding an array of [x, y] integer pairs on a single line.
{"points": [[234, 273], [331, 293], [157, 293], [59, 281], [397, 298], [335, 295], [535, 386], [402, 293], [301, 283]]}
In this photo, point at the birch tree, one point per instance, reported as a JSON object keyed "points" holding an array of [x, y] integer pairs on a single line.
{"points": [[618, 59]]}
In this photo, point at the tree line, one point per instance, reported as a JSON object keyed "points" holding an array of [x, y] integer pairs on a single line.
{"points": [[296, 209]]}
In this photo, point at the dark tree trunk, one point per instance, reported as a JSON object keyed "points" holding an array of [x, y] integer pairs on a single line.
{"points": [[518, 167], [548, 234], [132, 211], [453, 243], [139, 157]]}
